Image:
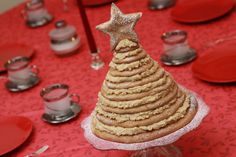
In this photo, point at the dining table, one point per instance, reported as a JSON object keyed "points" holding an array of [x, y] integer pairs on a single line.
{"points": [[215, 137]]}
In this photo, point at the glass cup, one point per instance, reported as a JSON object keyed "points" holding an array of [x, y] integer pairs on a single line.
{"points": [[19, 71], [64, 38], [175, 44], [34, 10], [57, 100]]}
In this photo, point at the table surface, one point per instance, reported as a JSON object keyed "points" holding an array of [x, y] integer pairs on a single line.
{"points": [[215, 136]]}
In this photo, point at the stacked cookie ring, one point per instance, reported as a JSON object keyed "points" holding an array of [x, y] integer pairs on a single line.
{"points": [[139, 101]]}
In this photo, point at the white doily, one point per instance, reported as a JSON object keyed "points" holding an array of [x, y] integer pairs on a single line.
{"points": [[99, 143]]}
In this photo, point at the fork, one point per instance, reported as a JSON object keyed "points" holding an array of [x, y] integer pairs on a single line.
{"points": [[39, 151]]}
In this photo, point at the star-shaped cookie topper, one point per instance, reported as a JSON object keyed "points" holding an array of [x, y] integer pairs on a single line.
{"points": [[120, 26]]}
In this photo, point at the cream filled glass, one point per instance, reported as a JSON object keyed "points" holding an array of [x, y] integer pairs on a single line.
{"points": [[64, 38], [19, 70], [35, 10], [57, 100], [175, 43]]}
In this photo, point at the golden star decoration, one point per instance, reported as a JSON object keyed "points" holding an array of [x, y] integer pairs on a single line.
{"points": [[120, 26]]}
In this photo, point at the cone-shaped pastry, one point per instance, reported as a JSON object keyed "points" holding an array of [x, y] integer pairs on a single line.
{"points": [[138, 100]]}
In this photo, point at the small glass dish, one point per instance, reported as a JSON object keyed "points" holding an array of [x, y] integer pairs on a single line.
{"points": [[64, 38], [176, 48], [59, 105], [36, 14], [21, 75]]}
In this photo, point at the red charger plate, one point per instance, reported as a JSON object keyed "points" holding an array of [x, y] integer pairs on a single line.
{"points": [[217, 65], [13, 132], [193, 11], [12, 50]]}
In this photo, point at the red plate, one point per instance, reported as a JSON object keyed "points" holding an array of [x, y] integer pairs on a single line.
{"points": [[218, 64], [193, 11], [9, 51], [13, 132]]}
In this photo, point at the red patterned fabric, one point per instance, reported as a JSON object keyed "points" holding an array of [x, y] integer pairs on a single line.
{"points": [[214, 138]]}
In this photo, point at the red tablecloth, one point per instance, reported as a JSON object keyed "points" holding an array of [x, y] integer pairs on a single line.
{"points": [[216, 136]]}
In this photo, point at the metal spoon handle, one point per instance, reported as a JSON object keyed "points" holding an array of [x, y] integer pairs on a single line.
{"points": [[39, 151]]}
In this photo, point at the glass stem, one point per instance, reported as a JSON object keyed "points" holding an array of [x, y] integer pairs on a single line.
{"points": [[97, 63]]}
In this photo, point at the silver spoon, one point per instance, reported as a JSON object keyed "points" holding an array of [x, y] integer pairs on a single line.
{"points": [[38, 152]]}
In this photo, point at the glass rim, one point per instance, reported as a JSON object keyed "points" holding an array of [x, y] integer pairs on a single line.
{"points": [[169, 34], [52, 87], [34, 5], [61, 41], [15, 60]]}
